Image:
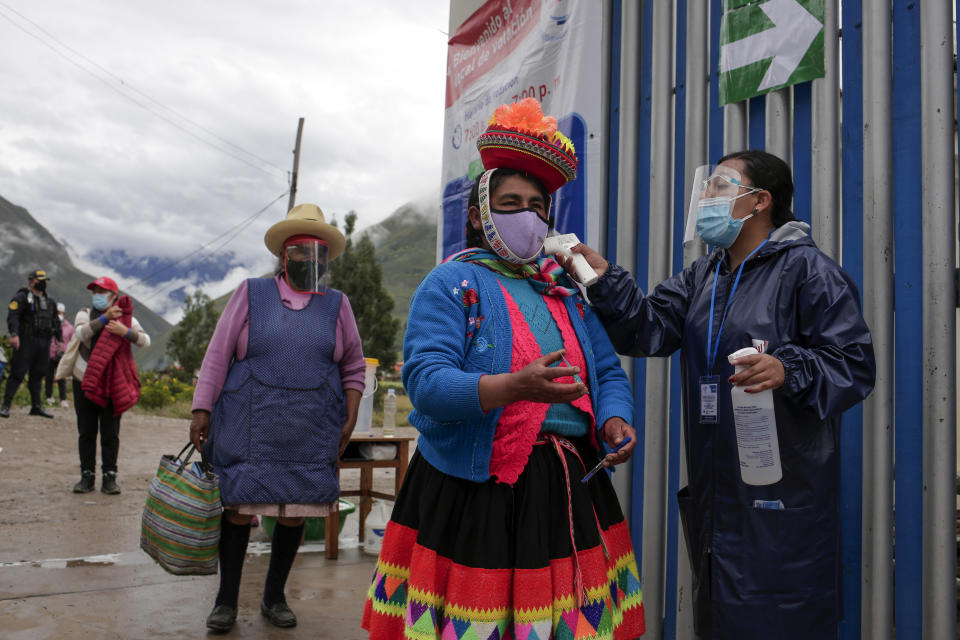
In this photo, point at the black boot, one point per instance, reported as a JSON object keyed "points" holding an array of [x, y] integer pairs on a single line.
{"points": [[283, 551], [5, 410], [86, 482], [38, 410], [109, 483], [233, 549]]}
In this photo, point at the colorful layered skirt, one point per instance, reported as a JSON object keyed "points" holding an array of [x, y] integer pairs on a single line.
{"points": [[548, 557]]}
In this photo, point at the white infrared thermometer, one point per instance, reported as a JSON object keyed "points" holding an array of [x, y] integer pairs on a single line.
{"points": [[562, 244]]}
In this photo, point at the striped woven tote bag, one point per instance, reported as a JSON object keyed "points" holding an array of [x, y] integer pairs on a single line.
{"points": [[180, 526]]}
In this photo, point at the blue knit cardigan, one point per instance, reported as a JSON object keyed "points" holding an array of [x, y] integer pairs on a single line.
{"points": [[459, 329]]}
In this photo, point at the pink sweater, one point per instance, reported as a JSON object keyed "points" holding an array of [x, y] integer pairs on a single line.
{"points": [[233, 331]]}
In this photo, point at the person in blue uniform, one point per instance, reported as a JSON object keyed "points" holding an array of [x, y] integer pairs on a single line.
{"points": [[765, 559], [32, 321]]}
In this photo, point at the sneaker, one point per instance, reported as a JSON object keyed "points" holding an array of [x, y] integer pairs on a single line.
{"points": [[278, 614], [37, 410], [86, 483], [50, 401], [222, 618], [109, 483], [5, 410], [64, 404]]}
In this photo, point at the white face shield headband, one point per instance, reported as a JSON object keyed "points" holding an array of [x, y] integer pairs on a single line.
{"points": [[305, 264], [517, 235]]}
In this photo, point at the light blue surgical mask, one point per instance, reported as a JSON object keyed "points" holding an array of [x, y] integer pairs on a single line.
{"points": [[101, 301], [715, 225]]}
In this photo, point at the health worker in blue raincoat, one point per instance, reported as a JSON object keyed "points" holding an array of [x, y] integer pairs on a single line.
{"points": [[765, 559]]}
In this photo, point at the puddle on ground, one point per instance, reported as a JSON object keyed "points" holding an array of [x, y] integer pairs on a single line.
{"points": [[130, 558]]}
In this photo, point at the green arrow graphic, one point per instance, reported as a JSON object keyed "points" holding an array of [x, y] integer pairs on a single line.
{"points": [[794, 31]]}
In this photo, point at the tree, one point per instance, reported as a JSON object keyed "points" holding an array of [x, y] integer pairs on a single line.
{"points": [[189, 339], [358, 274]]}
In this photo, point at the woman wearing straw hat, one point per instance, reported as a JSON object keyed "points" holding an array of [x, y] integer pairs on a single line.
{"points": [[498, 530], [276, 402]]}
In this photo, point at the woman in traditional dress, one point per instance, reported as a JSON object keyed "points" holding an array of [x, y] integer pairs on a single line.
{"points": [[276, 402], [515, 388]]}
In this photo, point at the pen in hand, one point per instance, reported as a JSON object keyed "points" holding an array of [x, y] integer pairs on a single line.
{"points": [[599, 466]]}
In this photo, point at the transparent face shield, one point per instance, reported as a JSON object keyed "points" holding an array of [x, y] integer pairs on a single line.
{"points": [[305, 264], [712, 184]]}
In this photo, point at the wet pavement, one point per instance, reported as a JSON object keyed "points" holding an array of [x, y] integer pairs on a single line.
{"points": [[70, 564]]}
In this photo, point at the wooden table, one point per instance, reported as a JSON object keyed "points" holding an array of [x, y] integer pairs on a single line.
{"points": [[402, 439]]}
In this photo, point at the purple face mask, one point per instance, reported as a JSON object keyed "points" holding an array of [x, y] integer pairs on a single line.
{"points": [[522, 231]]}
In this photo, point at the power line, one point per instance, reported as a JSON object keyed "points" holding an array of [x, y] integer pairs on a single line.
{"points": [[234, 230], [130, 87]]}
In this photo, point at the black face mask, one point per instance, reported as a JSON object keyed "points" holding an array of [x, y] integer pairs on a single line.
{"points": [[41, 286], [300, 274]]}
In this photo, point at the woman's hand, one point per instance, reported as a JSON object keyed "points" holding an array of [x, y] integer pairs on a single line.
{"points": [[117, 328], [594, 259], [113, 312], [615, 430], [535, 383], [199, 427], [763, 372]]}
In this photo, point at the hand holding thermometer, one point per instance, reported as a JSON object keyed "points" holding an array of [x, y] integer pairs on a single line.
{"points": [[599, 466], [562, 244]]}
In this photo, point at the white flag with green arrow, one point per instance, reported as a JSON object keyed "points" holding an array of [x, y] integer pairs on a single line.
{"points": [[767, 45]]}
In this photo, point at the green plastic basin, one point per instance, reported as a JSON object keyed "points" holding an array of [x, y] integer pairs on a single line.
{"points": [[315, 528]]}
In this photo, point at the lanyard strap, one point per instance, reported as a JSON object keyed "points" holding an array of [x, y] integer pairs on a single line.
{"points": [[711, 347]]}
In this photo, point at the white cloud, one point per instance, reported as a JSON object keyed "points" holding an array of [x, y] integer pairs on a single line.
{"points": [[102, 172]]}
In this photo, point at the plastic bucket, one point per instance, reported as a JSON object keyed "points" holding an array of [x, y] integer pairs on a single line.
{"points": [[365, 413], [314, 528]]}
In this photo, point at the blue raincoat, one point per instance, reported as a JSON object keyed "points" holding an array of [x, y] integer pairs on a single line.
{"points": [[758, 573]]}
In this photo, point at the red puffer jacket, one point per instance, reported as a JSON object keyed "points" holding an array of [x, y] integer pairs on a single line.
{"points": [[111, 374]]}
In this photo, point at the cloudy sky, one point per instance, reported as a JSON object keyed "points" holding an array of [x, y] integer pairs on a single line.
{"points": [[150, 130]]}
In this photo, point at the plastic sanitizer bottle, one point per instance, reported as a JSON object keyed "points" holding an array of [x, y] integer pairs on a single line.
{"points": [[756, 426], [389, 413]]}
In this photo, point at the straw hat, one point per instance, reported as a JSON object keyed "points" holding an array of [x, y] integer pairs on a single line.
{"points": [[305, 219]]}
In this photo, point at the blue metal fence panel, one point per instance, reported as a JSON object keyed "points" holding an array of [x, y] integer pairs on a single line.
{"points": [[715, 144], [908, 329], [802, 150], [642, 271], [613, 131], [757, 123], [674, 425], [851, 438]]}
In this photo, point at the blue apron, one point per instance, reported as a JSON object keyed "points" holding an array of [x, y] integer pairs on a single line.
{"points": [[275, 429]]}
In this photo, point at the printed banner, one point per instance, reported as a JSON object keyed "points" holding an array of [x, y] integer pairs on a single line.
{"points": [[509, 50], [769, 44]]}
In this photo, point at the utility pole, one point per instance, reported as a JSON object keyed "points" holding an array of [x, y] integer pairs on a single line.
{"points": [[296, 166]]}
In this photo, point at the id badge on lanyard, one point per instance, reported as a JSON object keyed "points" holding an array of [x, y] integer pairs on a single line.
{"points": [[710, 383], [708, 399]]}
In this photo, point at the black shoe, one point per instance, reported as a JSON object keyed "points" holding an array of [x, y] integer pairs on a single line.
{"points": [[86, 483], [109, 483], [222, 618], [279, 614], [37, 410], [5, 410]]}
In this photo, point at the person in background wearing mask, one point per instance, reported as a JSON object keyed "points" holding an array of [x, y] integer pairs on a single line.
{"points": [[31, 322], [765, 558], [275, 404], [105, 382], [57, 348]]}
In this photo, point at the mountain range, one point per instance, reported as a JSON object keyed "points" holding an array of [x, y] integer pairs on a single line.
{"points": [[405, 243], [26, 245]]}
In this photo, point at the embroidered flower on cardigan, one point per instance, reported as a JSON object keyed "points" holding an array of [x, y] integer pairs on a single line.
{"points": [[470, 297]]}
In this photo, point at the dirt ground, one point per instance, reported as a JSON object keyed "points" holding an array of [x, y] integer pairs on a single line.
{"points": [[70, 564]]}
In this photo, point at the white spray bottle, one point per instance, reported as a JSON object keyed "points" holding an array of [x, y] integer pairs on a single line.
{"points": [[756, 425]]}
